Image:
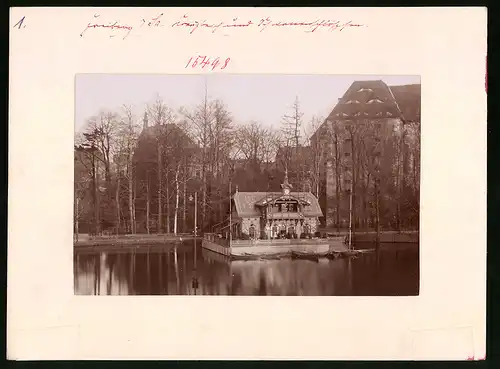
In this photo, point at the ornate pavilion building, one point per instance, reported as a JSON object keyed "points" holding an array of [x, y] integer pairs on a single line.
{"points": [[275, 214]]}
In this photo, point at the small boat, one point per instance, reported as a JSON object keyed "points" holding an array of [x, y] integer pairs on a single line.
{"points": [[245, 257], [333, 255], [351, 253], [270, 257], [304, 256]]}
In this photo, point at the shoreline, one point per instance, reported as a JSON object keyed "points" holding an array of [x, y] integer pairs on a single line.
{"points": [[132, 240], [361, 240]]}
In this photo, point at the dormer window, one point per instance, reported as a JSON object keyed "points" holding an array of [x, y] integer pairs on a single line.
{"points": [[352, 102], [365, 89], [373, 101]]}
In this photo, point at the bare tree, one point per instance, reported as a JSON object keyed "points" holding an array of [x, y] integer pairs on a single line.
{"points": [[177, 196], [161, 115], [199, 120], [271, 144], [103, 128], [101, 135], [210, 126], [316, 147], [88, 153], [291, 128], [292, 125], [251, 140], [130, 134], [83, 180]]}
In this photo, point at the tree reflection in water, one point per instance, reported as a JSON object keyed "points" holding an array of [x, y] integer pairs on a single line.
{"points": [[168, 270]]}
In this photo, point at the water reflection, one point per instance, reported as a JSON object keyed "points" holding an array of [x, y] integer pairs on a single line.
{"points": [[170, 270]]}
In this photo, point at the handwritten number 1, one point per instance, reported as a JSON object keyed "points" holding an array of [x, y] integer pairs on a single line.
{"points": [[20, 23]]}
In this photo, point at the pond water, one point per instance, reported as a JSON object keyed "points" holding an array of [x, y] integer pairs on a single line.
{"points": [[170, 270]]}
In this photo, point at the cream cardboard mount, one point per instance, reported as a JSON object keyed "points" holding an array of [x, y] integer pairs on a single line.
{"points": [[49, 46]]}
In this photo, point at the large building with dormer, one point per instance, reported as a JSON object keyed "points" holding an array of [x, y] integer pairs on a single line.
{"points": [[370, 119]]}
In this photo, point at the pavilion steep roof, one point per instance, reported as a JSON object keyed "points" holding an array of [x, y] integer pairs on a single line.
{"points": [[245, 203]]}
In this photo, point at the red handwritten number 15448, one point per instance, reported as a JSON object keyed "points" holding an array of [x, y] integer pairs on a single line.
{"points": [[205, 62]]}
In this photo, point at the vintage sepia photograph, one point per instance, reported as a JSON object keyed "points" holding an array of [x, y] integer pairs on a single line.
{"points": [[247, 184]]}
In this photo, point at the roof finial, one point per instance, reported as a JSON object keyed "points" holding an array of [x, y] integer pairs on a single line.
{"points": [[236, 188], [286, 184]]}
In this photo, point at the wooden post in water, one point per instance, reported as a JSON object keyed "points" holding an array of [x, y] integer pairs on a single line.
{"points": [[133, 270], [168, 270], [195, 279], [148, 271], [377, 216], [99, 275], [118, 266], [77, 218], [129, 270], [184, 273], [176, 270], [349, 275], [110, 280], [95, 275], [350, 219], [230, 213], [377, 190], [195, 219], [75, 274], [160, 257]]}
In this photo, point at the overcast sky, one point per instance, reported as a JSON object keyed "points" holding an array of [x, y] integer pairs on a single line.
{"points": [[258, 97]]}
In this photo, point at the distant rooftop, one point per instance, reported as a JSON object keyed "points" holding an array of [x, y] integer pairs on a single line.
{"points": [[377, 100]]}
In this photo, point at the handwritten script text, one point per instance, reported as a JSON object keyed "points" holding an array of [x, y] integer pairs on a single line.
{"points": [[192, 25]]}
